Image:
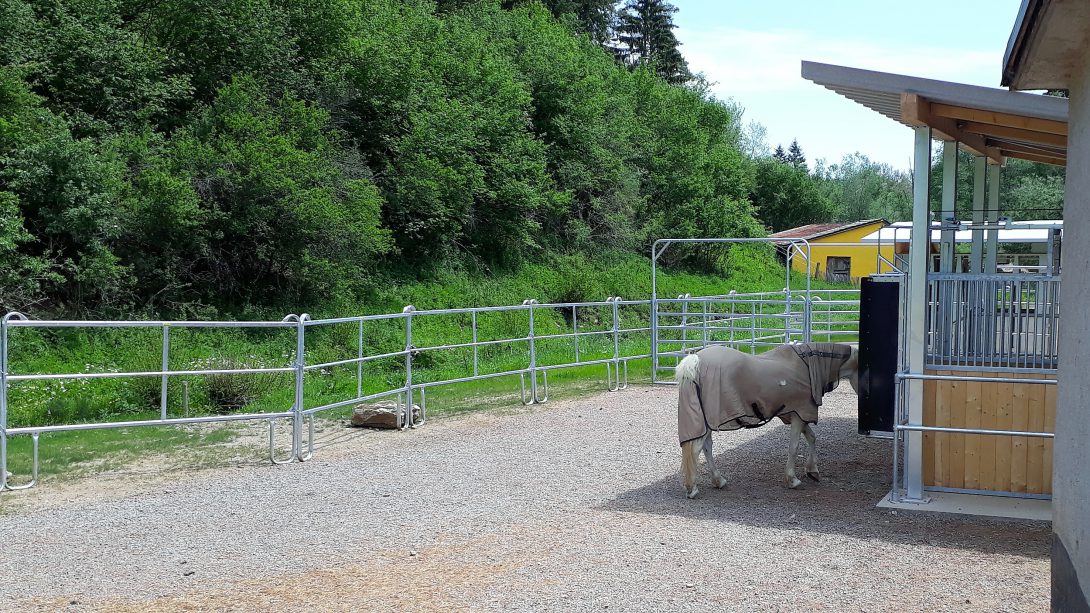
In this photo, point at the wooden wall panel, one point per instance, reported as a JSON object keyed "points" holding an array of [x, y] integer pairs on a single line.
{"points": [[995, 463]]}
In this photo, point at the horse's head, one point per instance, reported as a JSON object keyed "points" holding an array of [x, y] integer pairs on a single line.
{"points": [[850, 369]]}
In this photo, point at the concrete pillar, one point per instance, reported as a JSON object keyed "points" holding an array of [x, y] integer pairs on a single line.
{"points": [[993, 216], [949, 200], [1070, 483], [916, 320], [976, 254]]}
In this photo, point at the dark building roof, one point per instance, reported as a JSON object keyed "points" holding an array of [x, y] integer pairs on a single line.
{"points": [[818, 230]]}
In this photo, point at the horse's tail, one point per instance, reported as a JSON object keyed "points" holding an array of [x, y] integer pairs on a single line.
{"points": [[687, 369], [688, 401]]}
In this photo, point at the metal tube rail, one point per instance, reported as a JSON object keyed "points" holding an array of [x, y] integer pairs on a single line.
{"points": [[150, 373], [59, 323], [975, 431], [177, 421], [921, 377]]}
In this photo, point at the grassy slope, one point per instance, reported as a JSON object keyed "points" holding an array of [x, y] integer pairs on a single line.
{"points": [[567, 279]]}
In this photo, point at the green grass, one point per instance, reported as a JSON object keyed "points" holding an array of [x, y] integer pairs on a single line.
{"points": [[566, 279]]}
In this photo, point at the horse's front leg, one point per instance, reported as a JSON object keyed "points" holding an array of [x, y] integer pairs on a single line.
{"points": [[717, 478], [792, 450], [811, 459]]}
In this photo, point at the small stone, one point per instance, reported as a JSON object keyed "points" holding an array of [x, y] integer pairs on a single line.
{"points": [[412, 552], [73, 602], [189, 573], [386, 495], [688, 585]]}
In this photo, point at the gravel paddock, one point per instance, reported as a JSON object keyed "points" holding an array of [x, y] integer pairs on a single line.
{"points": [[573, 505]]}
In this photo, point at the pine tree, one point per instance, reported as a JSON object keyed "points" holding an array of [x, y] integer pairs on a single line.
{"points": [[645, 33], [779, 154], [795, 157]]}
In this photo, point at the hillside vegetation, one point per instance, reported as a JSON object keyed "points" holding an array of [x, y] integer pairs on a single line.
{"points": [[192, 156]]}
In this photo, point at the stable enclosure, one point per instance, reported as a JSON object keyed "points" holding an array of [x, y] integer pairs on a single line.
{"points": [[975, 399]]}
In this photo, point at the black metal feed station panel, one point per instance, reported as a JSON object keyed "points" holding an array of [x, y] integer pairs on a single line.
{"points": [[878, 322]]}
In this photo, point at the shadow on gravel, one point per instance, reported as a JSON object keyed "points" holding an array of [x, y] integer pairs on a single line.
{"points": [[855, 475]]}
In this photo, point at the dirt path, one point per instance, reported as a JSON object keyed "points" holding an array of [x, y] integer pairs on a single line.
{"points": [[574, 505]]}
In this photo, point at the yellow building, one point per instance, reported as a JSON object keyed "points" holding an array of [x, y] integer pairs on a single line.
{"points": [[836, 251]]}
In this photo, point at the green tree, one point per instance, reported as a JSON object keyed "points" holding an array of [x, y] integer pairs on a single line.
{"points": [[254, 202], [795, 156], [65, 190], [863, 189], [787, 197], [645, 31]]}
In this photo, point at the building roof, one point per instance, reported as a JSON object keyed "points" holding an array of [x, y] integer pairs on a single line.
{"points": [[987, 121], [1011, 232], [819, 230], [1047, 44]]}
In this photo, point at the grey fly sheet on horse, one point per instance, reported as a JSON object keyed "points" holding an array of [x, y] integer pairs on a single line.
{"points": [[737, 390]]}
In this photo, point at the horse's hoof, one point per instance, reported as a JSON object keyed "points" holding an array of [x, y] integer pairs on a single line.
{"points": [[816, 476], [793, 483], [692, 493], [720, 482]]}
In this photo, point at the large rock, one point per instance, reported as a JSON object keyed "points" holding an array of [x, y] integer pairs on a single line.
{"points": [[380, 415]]}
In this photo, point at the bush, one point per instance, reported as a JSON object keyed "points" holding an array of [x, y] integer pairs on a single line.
{"points": [[228, 392]]}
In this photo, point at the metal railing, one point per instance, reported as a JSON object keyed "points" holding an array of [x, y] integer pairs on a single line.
{"points": [[609, 333], [984, 322], [753, 322], [599, 340]]}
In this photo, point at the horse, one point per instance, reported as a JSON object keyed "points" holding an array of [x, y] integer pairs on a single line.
{"points": [[720, 388]]}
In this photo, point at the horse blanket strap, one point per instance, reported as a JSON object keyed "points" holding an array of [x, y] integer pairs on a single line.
{"points": [[736, 390]]}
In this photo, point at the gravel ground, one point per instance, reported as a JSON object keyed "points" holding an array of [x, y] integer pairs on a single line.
{"points": [[574, 505]]}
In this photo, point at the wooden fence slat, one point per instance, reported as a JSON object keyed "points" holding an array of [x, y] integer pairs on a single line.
{"points": [[1003, 444], [971, 442], [1020, 403], [986, 444], [1049, 426], [932, 407], [1035, 468]]}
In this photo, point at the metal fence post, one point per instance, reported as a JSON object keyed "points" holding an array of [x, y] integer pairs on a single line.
{"points": [[476, 368], [530, 302], [616, 332], [297, 418], [807, 319], [166, 367], [359, 364], [4, 329], [407, 417], [4, 402]]}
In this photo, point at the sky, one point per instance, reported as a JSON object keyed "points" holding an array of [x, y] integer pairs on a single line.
{"points": [[752, 51]]}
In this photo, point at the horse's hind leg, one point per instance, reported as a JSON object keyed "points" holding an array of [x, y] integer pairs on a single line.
{"points": [[690, 452], [792, 450], [811, 459], [709, 457]]}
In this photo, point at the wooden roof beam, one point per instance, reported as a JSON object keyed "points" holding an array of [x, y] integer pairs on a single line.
{"points": [[917, 111], [1027, 148], [1020, 134], [1035, 158], [1033, 124]]}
